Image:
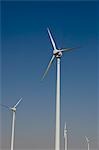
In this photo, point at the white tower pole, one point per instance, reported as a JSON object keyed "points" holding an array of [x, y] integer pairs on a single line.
{"points": [[88, 141], [65, 138], [13, 130], [88, 145], [57, 129]]}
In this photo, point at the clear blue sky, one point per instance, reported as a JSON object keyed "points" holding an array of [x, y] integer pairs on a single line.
{"points": [[26, 51]]}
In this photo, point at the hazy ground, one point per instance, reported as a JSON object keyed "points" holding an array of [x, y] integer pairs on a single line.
{"points": [[47, 149]]}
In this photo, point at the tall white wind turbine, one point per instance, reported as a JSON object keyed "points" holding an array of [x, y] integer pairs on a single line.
{"points": [[65, 138], [13, 109], [87, 140], [57, 53]]}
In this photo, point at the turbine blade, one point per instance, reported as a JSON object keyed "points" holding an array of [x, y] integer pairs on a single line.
{"points": [[51, 38], [68, 49], [17, 103], [5, 106], [87, 139], [48, 66]]}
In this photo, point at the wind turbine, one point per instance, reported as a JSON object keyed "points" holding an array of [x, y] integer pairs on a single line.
{"points": [[65, 137], [87, 140], [57, 53], [13, 109]]}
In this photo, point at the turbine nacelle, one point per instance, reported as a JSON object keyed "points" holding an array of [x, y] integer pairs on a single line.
{"points": [[57, 53], [65, 130], [13, 109]]}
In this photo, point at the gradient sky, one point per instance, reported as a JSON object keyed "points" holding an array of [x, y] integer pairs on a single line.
{"points": [[26, 51]]}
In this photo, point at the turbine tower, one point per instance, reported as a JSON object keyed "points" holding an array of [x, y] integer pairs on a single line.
{"points": [[57, 53], [87, 140], [65, 138], [13, 109]]}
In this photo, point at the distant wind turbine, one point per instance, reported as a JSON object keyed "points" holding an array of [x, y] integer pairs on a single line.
{"points": [[87, 140], [57, 53], [13, 109], [65, 137]]}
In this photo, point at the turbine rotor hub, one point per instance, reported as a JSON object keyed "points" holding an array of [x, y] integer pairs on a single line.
{"points": [[57, 53], [13, 109]]}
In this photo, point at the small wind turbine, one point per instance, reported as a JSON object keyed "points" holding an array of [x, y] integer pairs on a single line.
{"points": [[65, 138], [13, 109], [57, 53], [87, 140]]}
